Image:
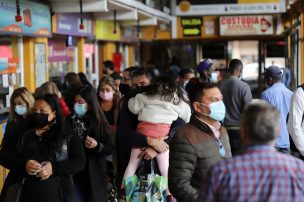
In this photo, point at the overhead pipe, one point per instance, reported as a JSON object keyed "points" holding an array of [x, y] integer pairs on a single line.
{"points": [[115, 21], [18, 17], [81, 26]]}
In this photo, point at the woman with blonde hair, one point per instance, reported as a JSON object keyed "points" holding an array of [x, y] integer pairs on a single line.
{"points": [[51, 88], [21, 104]]}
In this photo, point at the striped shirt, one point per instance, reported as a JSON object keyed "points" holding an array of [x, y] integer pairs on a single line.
{"points": [[259, 174]]}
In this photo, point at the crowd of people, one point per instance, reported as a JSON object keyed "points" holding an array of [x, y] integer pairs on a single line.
{"points": [[209, 138]]}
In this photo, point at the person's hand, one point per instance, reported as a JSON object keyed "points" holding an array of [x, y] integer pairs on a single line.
{"points": [[158, 144], [59, 95], [148, 153], [90, 143], [32, 167], [46, 171]]}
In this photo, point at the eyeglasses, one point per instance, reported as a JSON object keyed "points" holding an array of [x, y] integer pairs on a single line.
{"points": [[221, 147]]}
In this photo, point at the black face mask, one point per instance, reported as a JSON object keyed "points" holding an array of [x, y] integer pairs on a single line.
{"points": [[124, 88], [39, 120]]}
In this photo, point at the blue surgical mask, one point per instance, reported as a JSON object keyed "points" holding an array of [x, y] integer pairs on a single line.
{"points": [[217, 110], [21, 110], [80, 109], [213, 77]]}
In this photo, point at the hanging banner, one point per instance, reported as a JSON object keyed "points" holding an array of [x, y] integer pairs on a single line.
{"points": [[36, 18], [222, 7], [68, 24], [246, 25], [105, 30]]}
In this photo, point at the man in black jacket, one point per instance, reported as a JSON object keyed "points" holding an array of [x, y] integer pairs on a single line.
{"points": [[198, 144]]}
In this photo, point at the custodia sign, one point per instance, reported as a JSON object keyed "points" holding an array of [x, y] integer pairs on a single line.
{"points": [[36, 18], [246, 25]]}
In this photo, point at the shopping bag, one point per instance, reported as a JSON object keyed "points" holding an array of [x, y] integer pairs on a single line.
{"points": [[146, 187]]}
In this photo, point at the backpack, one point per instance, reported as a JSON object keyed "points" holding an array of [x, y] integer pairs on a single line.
{"points": [[293, 149]]}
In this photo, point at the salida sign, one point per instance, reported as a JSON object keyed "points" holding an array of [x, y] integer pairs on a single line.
{"points": [[191, 26], [246, 25]]}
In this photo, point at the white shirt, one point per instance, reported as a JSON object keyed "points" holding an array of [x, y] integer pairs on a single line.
{"points": [[155, 110], [294, 125]]}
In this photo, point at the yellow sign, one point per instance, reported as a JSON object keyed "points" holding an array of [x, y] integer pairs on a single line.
{"points": [[192, 32], [105, 30], [191, 21]]}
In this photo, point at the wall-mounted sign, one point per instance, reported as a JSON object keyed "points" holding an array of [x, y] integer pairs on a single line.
{"points": [[40, 63], [105, 30], [68, 24], [222, 7], [129, 34], [246, 25], [191, 26], [209, 28], [8, 65], [58, 52], [36, 18]]}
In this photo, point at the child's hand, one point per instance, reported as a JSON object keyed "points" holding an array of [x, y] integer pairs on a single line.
{"points": [[148, 153], [158, 144]]}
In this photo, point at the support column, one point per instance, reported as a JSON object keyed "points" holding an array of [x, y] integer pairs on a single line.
{"points": [[29, 62], [302, 47], [81, 57]]}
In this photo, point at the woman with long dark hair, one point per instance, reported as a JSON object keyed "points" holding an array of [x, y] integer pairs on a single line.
{"points": [[90, 124], [52, 154]]}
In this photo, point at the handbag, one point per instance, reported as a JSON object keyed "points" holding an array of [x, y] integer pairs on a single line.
{"points": [[145, 187], [14, 192]]}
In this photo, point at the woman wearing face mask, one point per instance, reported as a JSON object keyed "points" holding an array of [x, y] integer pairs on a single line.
{"points": [[109, 97], [21, 103], [90, 124], [52, 154]]}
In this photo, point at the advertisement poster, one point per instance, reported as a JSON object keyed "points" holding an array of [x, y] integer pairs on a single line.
{"points": [[222, 7], [40, 63], [36, 18], [246, 25], [105, 30], [68, 23], [58, 52]]}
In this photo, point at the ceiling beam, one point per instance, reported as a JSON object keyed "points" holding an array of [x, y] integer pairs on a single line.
{"points": [[74, 7], [120, 15]]}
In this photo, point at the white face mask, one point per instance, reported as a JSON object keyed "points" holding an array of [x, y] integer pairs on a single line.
{"points": [[185, 83], [21, 109], [213, 77]]}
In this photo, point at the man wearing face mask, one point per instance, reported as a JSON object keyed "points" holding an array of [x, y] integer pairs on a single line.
{"points": [[236, 96], [199, 144], [206, 72], [279, 96]]}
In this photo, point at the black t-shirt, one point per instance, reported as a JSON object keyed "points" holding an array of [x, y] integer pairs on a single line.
{"points": [[110, 116]]}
